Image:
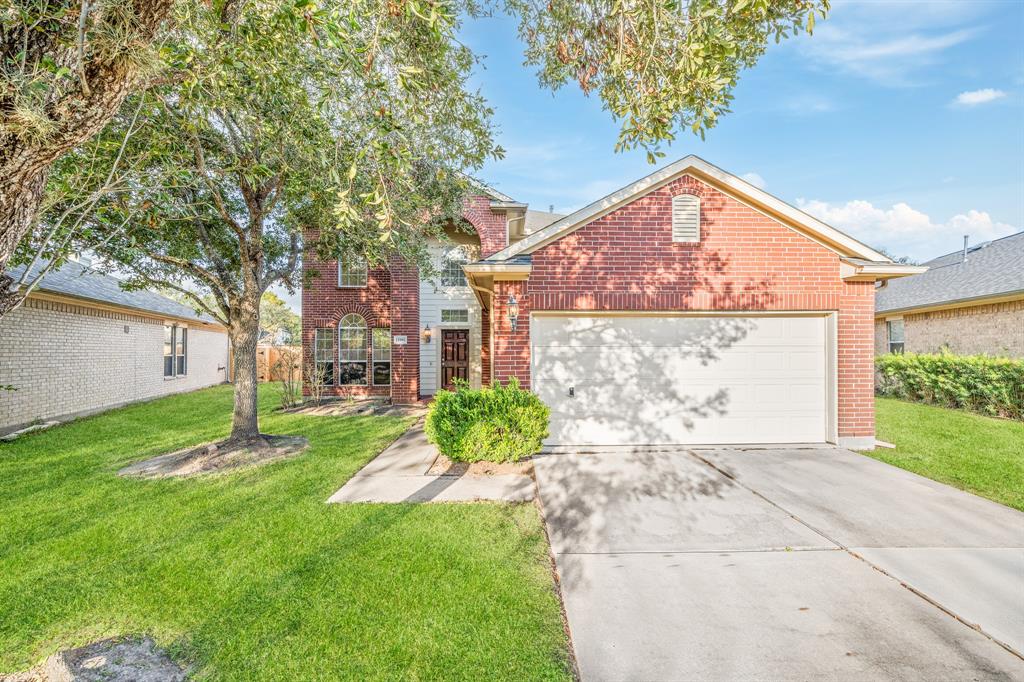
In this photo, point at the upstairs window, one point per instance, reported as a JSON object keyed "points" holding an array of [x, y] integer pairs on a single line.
{"points": [[381, 347], [175, 350], [323, 346], [686, 218], [452, 274], [352, 350], [352, 271], [895, 329]]}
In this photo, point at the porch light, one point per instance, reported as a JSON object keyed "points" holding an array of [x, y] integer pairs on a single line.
{"points": [[427, 332], [513, 311]]}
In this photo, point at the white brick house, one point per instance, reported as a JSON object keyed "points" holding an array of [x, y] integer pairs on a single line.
{"points": [[81, 344]]}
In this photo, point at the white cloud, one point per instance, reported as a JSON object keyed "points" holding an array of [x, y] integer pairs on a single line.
{"points": [[754, 179], [973, 98], [807, 105], [905, 231]]}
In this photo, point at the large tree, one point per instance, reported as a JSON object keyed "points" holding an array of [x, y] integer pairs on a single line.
{"points": [[66, 66], [351, 120]]}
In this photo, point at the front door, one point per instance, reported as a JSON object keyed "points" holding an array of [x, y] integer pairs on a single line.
{"points": [[454, 356]]}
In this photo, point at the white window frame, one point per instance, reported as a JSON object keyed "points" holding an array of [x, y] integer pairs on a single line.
{"points": [[888, 335], [323, 354], [179, 361], [452, 275], [461, 317], [355, 269], [350, 327], [381, 353]]}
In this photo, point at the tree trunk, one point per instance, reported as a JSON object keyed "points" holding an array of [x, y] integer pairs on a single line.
{"points": [[20, 198], [244, 332]]}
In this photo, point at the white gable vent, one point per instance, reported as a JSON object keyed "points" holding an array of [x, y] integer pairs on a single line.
{"points": [[685, 218]]}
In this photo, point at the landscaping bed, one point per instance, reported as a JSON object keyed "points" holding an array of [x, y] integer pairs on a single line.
{"points": [[249, 575]]}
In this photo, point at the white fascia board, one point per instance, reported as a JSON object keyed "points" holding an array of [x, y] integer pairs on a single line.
{"points": [[838, 241], [496, 268], [874, 271]]}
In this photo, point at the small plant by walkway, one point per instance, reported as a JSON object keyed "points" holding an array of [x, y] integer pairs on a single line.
{"points": [[978, 454], [250, 575]]}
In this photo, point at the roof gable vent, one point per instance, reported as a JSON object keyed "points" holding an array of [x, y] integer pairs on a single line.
{"points": [[685, 218]]}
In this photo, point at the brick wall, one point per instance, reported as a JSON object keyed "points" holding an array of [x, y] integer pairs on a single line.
{"points": [[490, 226], [324, 303], [626, 260], [67, 359], [511, 348], [995, 329]]}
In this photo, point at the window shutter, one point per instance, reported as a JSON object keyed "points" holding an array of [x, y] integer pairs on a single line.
{"points": [[686, 218]]}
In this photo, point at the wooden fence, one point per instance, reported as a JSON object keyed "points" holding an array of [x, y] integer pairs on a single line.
{"points": [[272, 361]]}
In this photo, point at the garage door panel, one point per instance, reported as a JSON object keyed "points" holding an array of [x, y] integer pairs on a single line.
{"points": [[681, 380]]}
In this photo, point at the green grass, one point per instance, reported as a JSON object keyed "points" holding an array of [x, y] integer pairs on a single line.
{"points": [[978, 454], [250, 575]]}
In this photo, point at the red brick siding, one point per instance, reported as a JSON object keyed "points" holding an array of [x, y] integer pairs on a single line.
{"points": [[490, 226], [627, 260], [405, 360], [485, 346], [324, 303], [511, 348]]}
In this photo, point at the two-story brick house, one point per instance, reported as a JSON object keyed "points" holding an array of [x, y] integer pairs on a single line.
{"points": [[688, 307]]}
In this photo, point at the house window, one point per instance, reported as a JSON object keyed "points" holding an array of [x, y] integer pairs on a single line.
{"points": [[455, 315], [175, 350], [381, 357], [895, 328], [352, 271], [352, 350], [452, 274], [323, 346], [685, 218]]}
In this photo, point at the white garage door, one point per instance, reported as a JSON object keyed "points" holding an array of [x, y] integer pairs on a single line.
{"points": [[622, 380]]}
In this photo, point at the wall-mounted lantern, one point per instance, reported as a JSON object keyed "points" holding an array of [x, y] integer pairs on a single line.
{"points": [[513, 311], [427, 333]]}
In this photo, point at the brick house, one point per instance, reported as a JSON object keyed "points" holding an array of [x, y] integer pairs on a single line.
{"points": [[81, 344], [969, 301], [687, 307]]}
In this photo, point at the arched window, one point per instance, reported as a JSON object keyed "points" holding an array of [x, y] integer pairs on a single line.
{"points": [[352, 350]]}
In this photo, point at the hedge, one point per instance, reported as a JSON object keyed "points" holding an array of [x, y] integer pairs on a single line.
{"points": [[499, 424], [980, 383]]}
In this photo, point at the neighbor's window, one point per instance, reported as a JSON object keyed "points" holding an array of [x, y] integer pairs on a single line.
{"points": [[352, 350], [454, 315], [323, 349], [175, 350], [895, 335], [352, 271], [685, 218], [452, 274], [381, 356]]}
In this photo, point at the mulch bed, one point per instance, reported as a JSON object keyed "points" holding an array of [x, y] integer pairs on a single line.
{"points": [[217, 457], [347, 408]]}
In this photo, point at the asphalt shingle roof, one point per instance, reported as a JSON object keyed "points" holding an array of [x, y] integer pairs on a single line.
{"points": [[76, 279], [992, 268]]}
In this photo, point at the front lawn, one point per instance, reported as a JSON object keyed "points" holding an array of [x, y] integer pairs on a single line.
{"points": [[250, 575], [979, 454]]}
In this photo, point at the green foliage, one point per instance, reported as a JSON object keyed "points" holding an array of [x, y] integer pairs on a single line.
{"points": [[249, 576], [980, 383], [499, 424], [661, 66], [281, 323]]}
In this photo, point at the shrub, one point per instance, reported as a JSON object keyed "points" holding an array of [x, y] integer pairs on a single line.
{"points": [[499, 424], [980, 383]]}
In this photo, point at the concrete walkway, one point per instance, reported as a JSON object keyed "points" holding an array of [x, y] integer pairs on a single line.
{"points": [[780, 564], [399, 474]]}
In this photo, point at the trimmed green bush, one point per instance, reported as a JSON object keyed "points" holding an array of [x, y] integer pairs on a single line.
{"points": [[499, 424], [980, 383]]}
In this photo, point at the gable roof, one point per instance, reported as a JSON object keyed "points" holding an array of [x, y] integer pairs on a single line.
{"points": [[992, 269], [81, 281], [838, 241]]}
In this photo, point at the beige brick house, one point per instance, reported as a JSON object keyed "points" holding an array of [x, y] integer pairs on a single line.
{"points": [[970, 301], [81, 344]]}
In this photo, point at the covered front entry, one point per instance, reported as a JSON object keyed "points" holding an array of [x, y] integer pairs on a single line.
{"points": [[686, 379]]}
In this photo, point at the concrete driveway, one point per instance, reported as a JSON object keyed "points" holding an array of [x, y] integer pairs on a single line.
{"points": [[780, 564]]}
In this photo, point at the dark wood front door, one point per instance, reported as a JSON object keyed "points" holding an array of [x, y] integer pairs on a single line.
{"points": [[454, 356]]}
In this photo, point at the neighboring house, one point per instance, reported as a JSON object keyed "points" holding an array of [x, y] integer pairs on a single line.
{"points": [[970, 301], [81, 344], [687, 307]]}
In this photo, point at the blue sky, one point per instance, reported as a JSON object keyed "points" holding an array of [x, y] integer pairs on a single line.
{"points": [[901, 123]]}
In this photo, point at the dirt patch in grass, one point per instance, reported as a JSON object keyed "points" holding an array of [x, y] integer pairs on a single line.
{"points": [[217, 457], [443, 466], [123, 659]]}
